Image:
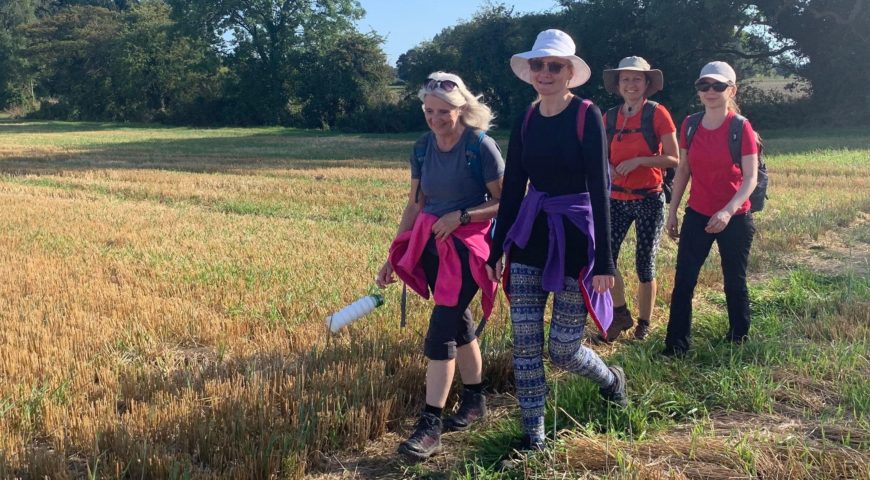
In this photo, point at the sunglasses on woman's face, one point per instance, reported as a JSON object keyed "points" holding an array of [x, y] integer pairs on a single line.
{"points": [[536, 65], [446, 85], [706, 86]]}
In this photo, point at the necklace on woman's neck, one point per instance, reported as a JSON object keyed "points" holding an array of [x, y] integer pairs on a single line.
{"points": [[630, 110]]}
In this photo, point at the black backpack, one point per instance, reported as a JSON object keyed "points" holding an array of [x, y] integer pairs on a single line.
{"points": [[647, 129], [735, 142]]}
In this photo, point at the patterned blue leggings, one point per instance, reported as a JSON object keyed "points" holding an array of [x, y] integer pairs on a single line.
{"points": [[565, 347]]}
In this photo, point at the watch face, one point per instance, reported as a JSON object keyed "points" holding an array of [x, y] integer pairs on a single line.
{"points": [[465, 217]]}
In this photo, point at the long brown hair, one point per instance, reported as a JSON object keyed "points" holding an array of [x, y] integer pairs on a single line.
{"points": [[732, 101]]}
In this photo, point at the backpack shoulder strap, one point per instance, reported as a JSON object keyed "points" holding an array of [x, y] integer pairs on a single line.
{"points": [[735, 138], [581, 117], [420, 147], [647, 125], [610, 126], [526, 118], [472, 154], [692, 125]]}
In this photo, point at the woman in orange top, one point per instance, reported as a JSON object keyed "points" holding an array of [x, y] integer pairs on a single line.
{"points": [[643, 143]]}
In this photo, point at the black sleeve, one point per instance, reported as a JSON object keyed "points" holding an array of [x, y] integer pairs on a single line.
{"points": [[597, 183], [512, 192]]}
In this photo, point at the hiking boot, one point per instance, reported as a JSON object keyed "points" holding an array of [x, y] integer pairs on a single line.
{"points": [[472, 407], [516, 456], [616, 391], [671, 351], [426, 439], [621, 321], [642, 329], [730, 337]]}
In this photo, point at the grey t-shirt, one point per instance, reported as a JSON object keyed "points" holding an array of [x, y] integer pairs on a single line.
{"points": [[448, 181]]}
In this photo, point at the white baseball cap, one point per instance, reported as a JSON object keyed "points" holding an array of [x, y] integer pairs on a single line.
{"points": [[720, 71]]}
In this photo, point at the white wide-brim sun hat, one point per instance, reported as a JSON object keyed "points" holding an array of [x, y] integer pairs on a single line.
{"points": [[552, 43]]}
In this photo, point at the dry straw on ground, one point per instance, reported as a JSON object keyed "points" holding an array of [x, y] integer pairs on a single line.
{"points": [[164, 290]]}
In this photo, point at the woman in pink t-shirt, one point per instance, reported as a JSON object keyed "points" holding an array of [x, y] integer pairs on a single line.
{"points": [[718, 205]]}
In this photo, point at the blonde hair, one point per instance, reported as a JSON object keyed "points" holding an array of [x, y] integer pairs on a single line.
{"points": [[732, 104], [475, 113]]}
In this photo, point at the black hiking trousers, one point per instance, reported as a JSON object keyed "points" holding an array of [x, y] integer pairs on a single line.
{"points": [[734, 243]]}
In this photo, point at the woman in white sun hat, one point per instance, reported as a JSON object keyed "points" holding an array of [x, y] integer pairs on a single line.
{"points": [[643, 144], [556, 237], [719, 152]]}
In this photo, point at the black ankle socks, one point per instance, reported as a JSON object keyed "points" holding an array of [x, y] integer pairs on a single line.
{"points": [[433, 410], [474, 387]]}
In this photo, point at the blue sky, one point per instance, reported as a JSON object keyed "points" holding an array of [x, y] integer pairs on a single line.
{"points": [[405, 23]]}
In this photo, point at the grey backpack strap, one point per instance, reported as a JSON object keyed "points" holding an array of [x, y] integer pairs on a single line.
{"points": [[735, 139], [647, 125], [692, 124]]}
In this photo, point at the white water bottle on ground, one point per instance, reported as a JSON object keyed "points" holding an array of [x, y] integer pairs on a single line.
{"points": [[354, 311]]}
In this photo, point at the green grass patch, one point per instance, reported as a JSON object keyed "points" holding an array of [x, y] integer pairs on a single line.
{"points": [[783, 360]]}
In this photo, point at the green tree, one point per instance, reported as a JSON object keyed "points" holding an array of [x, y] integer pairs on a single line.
{"points": [[160, 73], [832, 38], [98, 63], [608, 30], [16, 87], [72, 54], [343, 79], [265, 41], [479, 51]]}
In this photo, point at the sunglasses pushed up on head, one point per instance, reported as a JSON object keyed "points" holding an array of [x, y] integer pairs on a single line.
{"points": [[703, 86], [536, 65], [445, 85]]}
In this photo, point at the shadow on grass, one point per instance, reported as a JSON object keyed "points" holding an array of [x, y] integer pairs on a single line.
{"points": [[194, 150], [148, 146]]}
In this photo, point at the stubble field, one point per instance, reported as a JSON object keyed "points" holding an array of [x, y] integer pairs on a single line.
{"points": [[164, 291]]}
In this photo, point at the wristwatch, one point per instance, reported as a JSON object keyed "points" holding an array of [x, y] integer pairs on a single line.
{"points": [[464, 217]]}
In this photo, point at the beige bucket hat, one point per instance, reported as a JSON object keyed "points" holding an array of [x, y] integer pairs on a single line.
{"points": [[634, 64]]}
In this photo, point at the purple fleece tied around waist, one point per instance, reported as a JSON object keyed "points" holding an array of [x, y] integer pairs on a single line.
{"points": [[578, 210]]}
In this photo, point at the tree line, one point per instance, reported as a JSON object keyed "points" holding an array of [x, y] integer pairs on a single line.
{"points": [[304, 63]]}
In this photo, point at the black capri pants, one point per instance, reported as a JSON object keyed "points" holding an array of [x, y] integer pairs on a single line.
{"points": [[449, 327]]}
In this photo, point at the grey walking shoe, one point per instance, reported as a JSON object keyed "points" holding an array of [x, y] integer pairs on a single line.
{"points": [[514, 458], [616, 391], [642, 329], [472, 407], [426, 439]]}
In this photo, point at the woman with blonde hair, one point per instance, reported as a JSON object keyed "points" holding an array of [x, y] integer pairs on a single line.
{"points": [[718, 209], [441, 247], [554, 230]]}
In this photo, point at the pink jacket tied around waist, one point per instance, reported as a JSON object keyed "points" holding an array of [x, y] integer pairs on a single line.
{"points": [[407, 249]]}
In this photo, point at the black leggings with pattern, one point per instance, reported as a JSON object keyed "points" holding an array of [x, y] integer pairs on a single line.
{"points": [[648, 215]]}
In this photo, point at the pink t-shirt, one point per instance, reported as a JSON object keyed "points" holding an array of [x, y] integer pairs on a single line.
{"points": [[715, 176]]}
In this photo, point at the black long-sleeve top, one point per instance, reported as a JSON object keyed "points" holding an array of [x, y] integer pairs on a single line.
{"points": [[552, 158]]}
